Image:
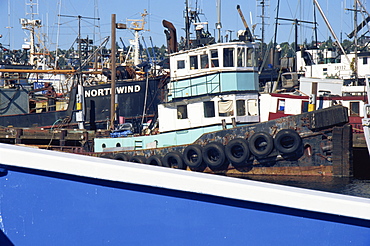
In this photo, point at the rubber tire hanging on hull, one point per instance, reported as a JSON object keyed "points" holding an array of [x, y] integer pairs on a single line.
{"points": [[261, 144], [193, 158], [193, 155], [121, 157], [107, 156], [173, 160], [154, 160], [287, 141], [237, 151], [138, 159], [214, 156]]}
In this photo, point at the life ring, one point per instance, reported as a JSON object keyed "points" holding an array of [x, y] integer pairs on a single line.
{"points": [[138, 159], [173, 160], [192, 156], [261, 144], [121, 157], [237, 151], [287, 141], [154, 160], [214, 155]]}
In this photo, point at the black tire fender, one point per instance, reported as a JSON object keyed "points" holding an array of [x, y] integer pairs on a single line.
{"points": [[121, 157], [106, 156], [138, 159], [287, 141], [237, 151], [155, 160], [173, 160], [261, 144], [214, 155], [192, 156]]}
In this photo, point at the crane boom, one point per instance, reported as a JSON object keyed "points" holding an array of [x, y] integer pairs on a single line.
{"points": [[249, 34]]}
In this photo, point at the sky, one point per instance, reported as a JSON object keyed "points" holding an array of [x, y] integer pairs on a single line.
{"points": [[62, 31]]}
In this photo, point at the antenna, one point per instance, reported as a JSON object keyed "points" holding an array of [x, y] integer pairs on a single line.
{"points": [[263, 4], [32, 8], [79, 41], [58, 32], [31, 25], [137, 25], [9, 27]]}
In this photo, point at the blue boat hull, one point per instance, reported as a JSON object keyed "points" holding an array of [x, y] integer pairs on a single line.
{"points": [[45, 208]]}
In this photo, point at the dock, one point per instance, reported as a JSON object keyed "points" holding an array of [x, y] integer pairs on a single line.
{"points": [[65, 140]]}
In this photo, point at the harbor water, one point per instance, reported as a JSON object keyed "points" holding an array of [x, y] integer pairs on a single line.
{"points": [[359, 185], [345, 186]]}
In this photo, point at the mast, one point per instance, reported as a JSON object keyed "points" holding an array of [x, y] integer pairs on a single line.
{"points": [[296, 22], [9, 27], [315, 25], [58, 33], [187, 26], [31, 25], [276, 28], [331, 29], [218, 24], [356, 43], [262, 16], [137, 26]]}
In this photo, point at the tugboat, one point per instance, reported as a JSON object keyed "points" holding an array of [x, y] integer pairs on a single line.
{"points": [[210, 118]]}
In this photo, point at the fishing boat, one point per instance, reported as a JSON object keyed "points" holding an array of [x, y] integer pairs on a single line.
{"points": [[42, 96], [56, 198], [210, 118], [322, 78]]}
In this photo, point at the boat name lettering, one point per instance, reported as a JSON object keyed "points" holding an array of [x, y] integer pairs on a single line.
{"points": [[107, 91], [342, 67]]}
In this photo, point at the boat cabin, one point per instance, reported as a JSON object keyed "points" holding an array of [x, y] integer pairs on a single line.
{"points": [[211, 84], [217, 68]]}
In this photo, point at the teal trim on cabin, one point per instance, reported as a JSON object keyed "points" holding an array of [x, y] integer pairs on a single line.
{"points": [[206, 84], [215, 83], [181, 137], [239, 81]]}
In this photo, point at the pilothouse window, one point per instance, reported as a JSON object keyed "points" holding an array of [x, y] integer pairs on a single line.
{"points": [[250, 58], [228, 57], [241, 57], [193, 62], [204, 61], [214, 58]]}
